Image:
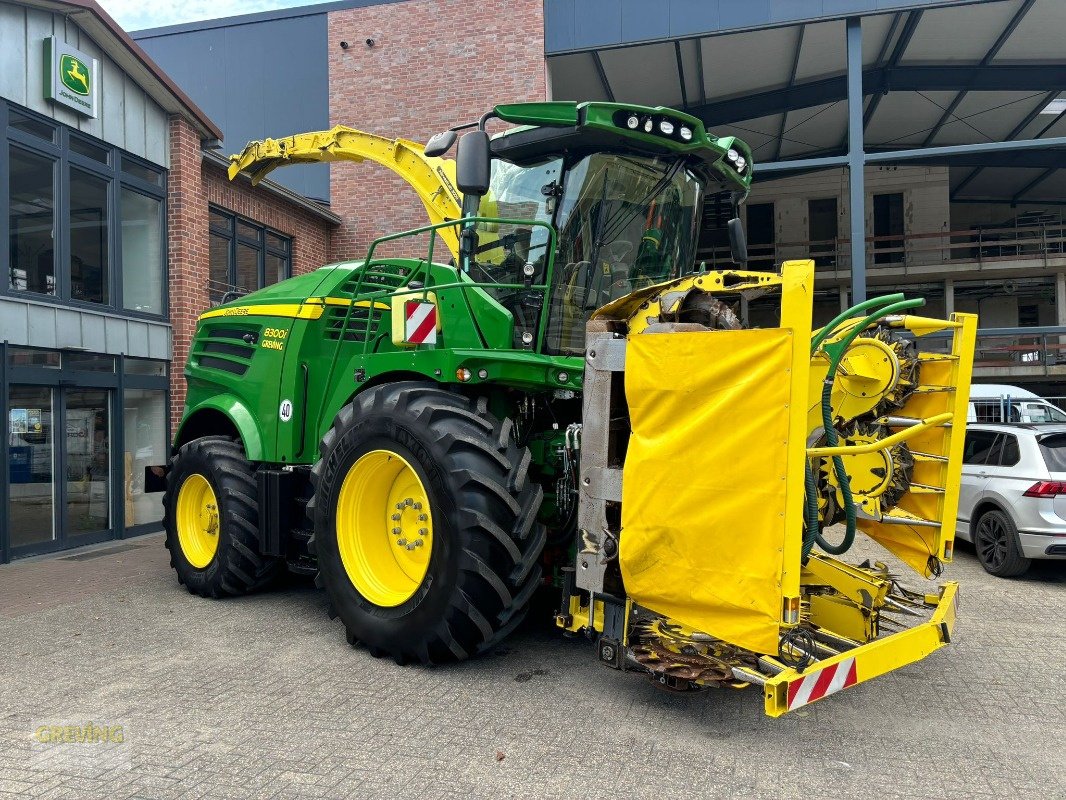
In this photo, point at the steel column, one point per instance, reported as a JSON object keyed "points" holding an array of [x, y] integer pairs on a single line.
{"points": [[856, 162]]}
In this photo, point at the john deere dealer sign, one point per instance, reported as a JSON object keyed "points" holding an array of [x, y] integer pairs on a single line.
{"points": [[70, 77]]}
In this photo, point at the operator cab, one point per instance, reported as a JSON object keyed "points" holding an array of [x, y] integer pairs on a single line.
{"points": [[624, 222], [625, 207]]}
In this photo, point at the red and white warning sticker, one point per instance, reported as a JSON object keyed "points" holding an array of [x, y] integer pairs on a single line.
{"points": [[420, 322], [822, 683]]}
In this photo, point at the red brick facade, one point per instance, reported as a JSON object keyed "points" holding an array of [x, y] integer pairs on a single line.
{"points": [[434, 63], [193, 185]]}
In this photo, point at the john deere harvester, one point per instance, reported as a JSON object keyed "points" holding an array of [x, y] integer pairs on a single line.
{"points": [[542, 388]]}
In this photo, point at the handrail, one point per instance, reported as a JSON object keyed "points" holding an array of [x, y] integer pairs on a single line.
{"points": [[424, 265], [992, 243]]}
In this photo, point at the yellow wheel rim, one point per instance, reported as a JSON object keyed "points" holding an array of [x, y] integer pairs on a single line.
{"points": [[384, 528], [197, 521]]}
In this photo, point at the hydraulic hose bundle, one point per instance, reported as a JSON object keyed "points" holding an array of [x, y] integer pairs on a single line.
{"points": [[835, 350]]}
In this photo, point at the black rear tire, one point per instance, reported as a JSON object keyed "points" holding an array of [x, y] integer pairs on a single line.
{"points": [[996, 540], [237, 566], [483, 564]]}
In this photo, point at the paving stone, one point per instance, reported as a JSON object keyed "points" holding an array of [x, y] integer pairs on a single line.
{"points": [[260, 697]]}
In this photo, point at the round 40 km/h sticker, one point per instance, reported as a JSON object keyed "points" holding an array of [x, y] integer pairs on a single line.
{"points": [[285, 412]]}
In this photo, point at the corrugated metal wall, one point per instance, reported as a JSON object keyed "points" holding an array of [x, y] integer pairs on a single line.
{"points": [[127, 116]]}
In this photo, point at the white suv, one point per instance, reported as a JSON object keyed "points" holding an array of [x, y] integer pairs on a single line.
{"points": [[1012, 502]]}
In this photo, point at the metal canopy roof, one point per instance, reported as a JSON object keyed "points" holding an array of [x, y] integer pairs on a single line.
{"points": [[962, 74]]}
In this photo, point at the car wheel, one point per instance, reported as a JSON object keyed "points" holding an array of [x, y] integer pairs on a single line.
{"points": [[996, 542]]}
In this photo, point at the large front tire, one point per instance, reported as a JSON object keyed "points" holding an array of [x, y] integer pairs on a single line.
{"points": [[211, 519], [425, 524]]}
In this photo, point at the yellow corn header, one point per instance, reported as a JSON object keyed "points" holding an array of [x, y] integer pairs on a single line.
{"points": [[715, 459]]}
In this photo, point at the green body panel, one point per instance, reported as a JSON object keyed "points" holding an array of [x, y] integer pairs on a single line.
{"points": [[318, 373]]}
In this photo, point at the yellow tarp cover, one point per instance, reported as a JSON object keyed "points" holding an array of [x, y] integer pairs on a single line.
{"points": [[703, 492]]}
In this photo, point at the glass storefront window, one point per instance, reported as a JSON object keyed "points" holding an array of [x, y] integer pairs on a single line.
{"points": [[88, 238], [87, 452], [28, 357], [90, 362], [32, 222], [30, 466], [144, 420], [142, 252], [145, 366]]}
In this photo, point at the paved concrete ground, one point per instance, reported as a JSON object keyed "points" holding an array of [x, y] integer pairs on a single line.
{"points": [[260, 697]]}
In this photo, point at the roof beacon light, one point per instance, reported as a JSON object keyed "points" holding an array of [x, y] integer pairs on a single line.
{"points": [[666, 126], [686, 133]]}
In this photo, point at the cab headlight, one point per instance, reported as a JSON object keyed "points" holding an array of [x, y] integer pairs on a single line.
{"points": [[686, 133], [667, 127]]}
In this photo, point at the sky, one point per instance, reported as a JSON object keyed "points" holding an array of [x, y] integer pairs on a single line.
{"points": [[135, 15]]}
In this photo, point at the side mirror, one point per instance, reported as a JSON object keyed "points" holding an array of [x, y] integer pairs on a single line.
{"points": [[473, 164], [441, 143], [738, 242]]}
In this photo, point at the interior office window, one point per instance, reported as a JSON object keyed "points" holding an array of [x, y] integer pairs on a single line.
{"points": [[32, 222], [278, 259], [822, 230], [247, 279], [144, 420], [888, 228], [89, 265], [142, 252], [25, 124], [142, 172], [90, 150], [78, 210], [244, 256]]}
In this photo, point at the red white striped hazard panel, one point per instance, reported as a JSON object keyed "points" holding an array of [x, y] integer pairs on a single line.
{"points": [[420, 322], [822, 683]]}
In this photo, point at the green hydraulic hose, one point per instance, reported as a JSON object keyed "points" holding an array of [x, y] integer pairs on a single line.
{"points": [[836, 353], [811, 533], [851, 312]]}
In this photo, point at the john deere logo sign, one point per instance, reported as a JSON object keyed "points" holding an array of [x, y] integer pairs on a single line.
{"points": [[74, 74], [69, 77]]}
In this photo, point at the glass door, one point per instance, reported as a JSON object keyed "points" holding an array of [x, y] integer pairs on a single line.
{"points": [[31, 466], [87, 459]]}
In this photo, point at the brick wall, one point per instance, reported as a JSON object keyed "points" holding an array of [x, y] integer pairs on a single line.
{"points": [[193, 184], [434, 63], [188, 251]]}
